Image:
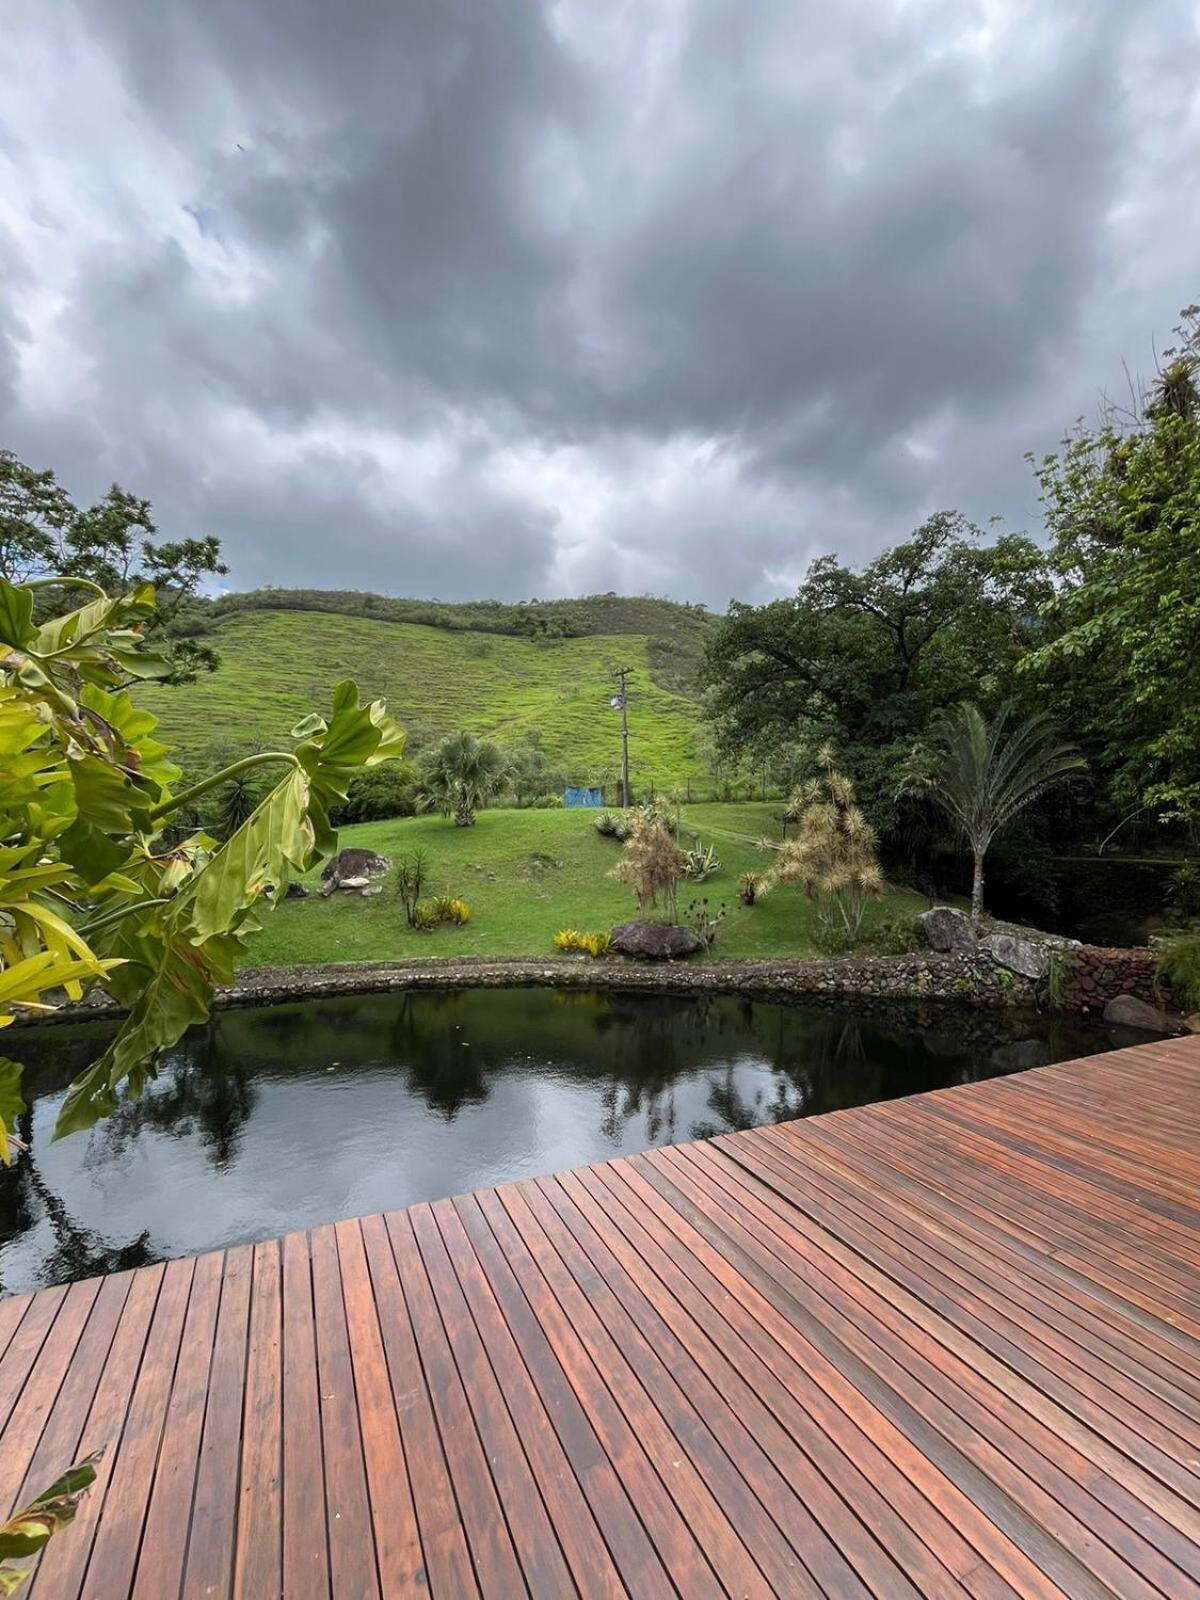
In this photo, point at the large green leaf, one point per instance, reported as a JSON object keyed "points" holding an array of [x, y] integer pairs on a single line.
{"points": [[11, 1103], [27, 1530], [276, 840], [168, 985], [16, 615]]}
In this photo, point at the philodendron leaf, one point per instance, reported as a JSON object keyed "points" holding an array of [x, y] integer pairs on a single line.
{"points": [[276, 840], [16, 616], [168, 986], [11, 1104], [29, 1529]]}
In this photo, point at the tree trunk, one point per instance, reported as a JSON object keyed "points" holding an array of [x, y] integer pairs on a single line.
{"points": [[977, 890]]}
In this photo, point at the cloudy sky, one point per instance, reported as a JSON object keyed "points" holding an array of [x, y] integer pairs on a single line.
{"points": [[533, 297]]}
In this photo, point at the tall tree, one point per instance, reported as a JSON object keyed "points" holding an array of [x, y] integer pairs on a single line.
{"points": [[1120, 646], [864, 657], [981, 774], [113, 544]]}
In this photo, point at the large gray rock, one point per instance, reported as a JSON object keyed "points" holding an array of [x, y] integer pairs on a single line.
{"points": [[1026, 957], [655, 941], [1127, 1011], [946, 929], [352, 869]]}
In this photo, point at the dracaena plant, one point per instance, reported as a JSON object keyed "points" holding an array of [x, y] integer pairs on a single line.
{"points": [[92, 891]]}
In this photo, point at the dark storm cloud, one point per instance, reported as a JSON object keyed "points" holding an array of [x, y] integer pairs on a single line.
{"points": [[507, 298]]}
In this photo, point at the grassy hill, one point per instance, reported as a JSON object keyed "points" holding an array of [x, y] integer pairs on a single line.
{"points": [[526, 874], [497, 670]]}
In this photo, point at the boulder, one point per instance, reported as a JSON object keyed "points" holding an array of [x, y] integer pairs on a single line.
{"points": [[295, 891], [1127, 1011], [1192, 1023], [1026, 957], [655, 941], [946, 929], [352, 869]]}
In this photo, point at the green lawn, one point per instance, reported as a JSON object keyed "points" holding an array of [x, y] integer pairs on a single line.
{"points": [[525, 875], [276, 666]]}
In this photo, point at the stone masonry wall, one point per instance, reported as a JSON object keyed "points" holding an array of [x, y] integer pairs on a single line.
{"points": [[1097, 974]]}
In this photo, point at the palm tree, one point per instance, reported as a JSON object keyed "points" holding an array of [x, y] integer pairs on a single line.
{"points": [[981, 775], [460, 776]]}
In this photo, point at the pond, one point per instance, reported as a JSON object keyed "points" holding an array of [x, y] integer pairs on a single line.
{"points": [[280, 1117]]}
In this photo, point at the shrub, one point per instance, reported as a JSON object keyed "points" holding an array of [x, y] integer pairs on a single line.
{"points": [[1178, 957], [752, 886], [704, 921], [408, 876], [834, 857], [573, 942], [388, 790], [700, 862], [423, 917], [1183, 893], [651, 864], [448, 908], [612, 827], [890, 936]]}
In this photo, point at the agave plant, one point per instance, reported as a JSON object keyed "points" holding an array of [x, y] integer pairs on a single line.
{"points": [[982, 774], [460, 776]]}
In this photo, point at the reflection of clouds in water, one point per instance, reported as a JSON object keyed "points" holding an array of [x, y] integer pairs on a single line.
{"points": [[273, 1119]]}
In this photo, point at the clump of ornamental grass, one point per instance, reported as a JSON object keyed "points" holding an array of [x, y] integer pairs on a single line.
{"points": [[651, 864], [834, 855]]}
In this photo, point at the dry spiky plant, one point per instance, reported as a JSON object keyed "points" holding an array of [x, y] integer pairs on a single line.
{"points": [[651, 864], [833, 856]]}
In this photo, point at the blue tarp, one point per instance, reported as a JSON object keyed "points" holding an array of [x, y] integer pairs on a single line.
{"points": [[583, 797]]}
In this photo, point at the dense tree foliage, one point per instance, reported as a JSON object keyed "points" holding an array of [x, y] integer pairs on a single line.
{"points": [[114, 545], [1120, 655], [864, 658]]}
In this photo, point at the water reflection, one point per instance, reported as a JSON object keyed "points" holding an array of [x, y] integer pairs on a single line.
{"points": [[280, 1117]]}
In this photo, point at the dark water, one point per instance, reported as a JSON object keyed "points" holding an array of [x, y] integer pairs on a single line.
{"points": [[284, 1116]]}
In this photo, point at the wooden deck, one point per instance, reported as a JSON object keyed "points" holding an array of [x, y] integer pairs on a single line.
{"points": [[943, 1346]]}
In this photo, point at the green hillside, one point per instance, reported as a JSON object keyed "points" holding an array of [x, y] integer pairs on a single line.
{"points": [[281, 652]]}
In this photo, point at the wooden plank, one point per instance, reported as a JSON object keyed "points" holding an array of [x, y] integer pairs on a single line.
{"points": [[258, 1551], [543, 1564], [607, 1494], [447, 1557], [61, 1571], [211, 1542], [496, 1565], [305, 1536], [1078, 1370], [592, 1565], [168, 1517], [127, 1492], [401, 1564], [1072, 1464], [24, 1421], [353, 1564]]}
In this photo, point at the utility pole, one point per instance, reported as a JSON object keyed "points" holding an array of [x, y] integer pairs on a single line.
{"points": [[620, 702]]}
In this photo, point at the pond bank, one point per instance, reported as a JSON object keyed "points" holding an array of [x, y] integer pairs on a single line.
{"points": [[1093, 977]]}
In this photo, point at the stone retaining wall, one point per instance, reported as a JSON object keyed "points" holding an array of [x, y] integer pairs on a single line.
{"points": [[1096, 974], [1094, 977]]}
